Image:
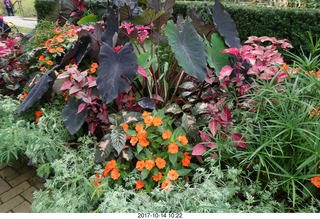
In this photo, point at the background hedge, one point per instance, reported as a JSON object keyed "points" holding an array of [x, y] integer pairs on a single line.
{"points": [[254, 20]]}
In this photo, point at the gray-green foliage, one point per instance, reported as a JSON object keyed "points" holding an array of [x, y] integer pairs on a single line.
{"points": [[69, 190], [13, 131]]}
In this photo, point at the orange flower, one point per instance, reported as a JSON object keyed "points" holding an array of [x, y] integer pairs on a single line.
{"points": [[134, 140], [157, 121], [314, 112], [42, 58], [316, 181], [158, 177], [140, 165], [38, 115], [128, 137], [60, 39], [93, 70], [94, 65], [110, 165], [173, 175], [42, 68], [285, 67], [50, 63], [148, 120], [74, 66], [160, 162], [142, 134], [149, 164], [52, 50], [115, 174], [145, 114], [185, 162], [47, 43], [165, 185], [183, 140], [59, 49], [139, 184], [25, 94], [143, 142], [166, 135], [173, 148], [125, 126], [139, 127]]}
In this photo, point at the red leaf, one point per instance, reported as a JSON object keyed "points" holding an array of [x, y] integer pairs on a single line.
{"points": [[239, 140], [66, 85], [81, 107], [226, 114], [213, 126], [199, 149]]}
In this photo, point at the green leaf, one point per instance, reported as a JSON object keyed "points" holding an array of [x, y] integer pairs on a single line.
{"points": [[189, 85], [173, 159], [148, 153], [131, 132], [144, 173], [144, 59], [90, 18], [216, 59], [188, 122], [173, 108], [188, 48], [147, 17], [183, 172], [139, 148], [118, 140]]}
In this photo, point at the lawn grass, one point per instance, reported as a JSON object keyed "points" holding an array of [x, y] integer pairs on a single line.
{"points": [[27, 7]]}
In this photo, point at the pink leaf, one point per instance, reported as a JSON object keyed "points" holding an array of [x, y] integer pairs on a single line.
{"points": [[233, 51], [199, 149], [226, 114], [213, 126], [74, 89], [81, 107], [225, 72], [239, 140], [205, 137], [142, 72], [92, 81], [66, 85]]}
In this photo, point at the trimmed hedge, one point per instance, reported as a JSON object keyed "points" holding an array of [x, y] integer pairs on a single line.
{"points": [[282, 23], [43, 8]]}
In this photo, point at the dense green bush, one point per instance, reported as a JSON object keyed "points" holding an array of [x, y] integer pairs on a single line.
{"points": [[282, 23], [43, 7]]}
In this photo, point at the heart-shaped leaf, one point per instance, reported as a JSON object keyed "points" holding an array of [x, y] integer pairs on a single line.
{"points": [[203, 28], [217, 59], [70, 116], [130, 3], [166, 6], [188, 49], [111, 26], [38, 91], [147, 17], [225, 25], [115, 71]]}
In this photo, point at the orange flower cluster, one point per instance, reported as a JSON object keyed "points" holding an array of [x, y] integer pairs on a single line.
{"points": [[140, 138], [316, 74], [38, 115], [94, 67], [316, 181], [111, 166], [315, 112], [186, 160], [24, 95]]}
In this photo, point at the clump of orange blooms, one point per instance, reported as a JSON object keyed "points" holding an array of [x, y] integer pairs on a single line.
{"points": [[316, 180], [161, 152]]}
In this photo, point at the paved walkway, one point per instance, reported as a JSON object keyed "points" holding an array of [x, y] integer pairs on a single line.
{"points": [[17, 184], [21, 21]]}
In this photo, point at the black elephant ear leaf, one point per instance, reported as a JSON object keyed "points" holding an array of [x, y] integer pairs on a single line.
{"points": [[38, 91], [121, 3], [111, 25], [188, 48], [70, 116], [203, 28], [225, 25], [147, 103], [166, 6], [115, 71]]}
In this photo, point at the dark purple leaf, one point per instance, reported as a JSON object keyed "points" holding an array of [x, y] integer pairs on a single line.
{"points": [[116, 71], [71, 118], [146, 103], [111, 25], [225, 25], [203, 28], [38, 91], [166, 6]]}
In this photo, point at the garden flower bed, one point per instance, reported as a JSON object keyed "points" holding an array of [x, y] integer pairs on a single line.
{"points": [[147, 111]]}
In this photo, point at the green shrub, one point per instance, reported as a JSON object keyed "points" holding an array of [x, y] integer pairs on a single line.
{"points": [[281, 23], [43, 7]]}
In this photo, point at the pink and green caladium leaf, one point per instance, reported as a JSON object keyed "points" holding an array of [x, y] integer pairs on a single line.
{"points": [[188, 49], [116, 71], [217, 59]]}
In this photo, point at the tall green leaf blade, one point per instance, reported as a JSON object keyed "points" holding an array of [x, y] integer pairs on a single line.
{"points": [[188, 48], [216, 59]]}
